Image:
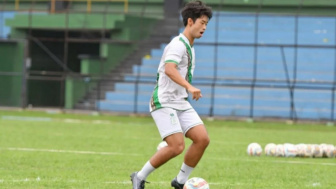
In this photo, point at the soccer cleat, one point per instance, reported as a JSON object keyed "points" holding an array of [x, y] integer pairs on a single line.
{"points": [[176, 185], [137, 183]]}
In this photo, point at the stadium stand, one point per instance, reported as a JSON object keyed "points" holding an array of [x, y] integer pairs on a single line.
{"points": [[226, 70]]}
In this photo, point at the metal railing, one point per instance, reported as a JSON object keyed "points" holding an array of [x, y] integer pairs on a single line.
{"points": [[53, 4]]}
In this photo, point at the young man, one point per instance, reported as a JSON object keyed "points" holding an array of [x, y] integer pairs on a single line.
{"points": [[170, 109]]}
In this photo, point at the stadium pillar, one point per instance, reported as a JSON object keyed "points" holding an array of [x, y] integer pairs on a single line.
{"points": [[172, 8]]}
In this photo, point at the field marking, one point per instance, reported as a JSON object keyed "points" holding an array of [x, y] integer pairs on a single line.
{"points": [[71, 151], [38, 179], [276, 161], [125, 182], [26, 118], [48, 119], [134, 154], [69, 120], [128, 182], [158, 182]]}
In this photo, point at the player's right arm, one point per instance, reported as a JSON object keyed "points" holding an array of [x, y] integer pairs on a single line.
{"points": [[172, 72]]}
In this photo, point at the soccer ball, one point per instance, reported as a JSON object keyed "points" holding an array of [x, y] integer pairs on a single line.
{"points": [[161, 145], [254, 149], [196, 183], [329, 151], [323, 148], [290, 150], [308, 150], [317, 151], [280, 150], [270, 149], [300, 149]]}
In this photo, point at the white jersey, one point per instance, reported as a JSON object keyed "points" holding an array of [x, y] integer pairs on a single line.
{"points": [[167, 93]]}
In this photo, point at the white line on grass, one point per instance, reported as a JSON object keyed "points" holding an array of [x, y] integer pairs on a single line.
{"points": [[38, 179], [48, 119], [70, 151], [75, 121], [133, 154], [158, 182], [26, 118], [128, 182], [125, 182], [276, 161]]}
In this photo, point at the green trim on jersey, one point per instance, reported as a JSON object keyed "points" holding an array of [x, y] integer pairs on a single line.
{"points": [[191, 58], [172, 61], [155, 98]]}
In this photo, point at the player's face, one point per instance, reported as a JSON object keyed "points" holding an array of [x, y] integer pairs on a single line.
{"points": [[199, 27]]}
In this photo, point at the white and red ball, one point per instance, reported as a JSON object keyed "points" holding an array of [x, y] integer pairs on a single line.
{"points": [[270, 149], [280, 150], [300, 150], [161, 145], [308, 150], [196, 183], [254, 149], [317, 151], [290, 150], [329, 151]]}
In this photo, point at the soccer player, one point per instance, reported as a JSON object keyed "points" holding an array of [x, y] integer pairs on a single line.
{"points": [[169, 107]]}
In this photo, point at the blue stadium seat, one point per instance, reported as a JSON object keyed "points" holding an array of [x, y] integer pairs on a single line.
{"points": [[5, 30], [221, 70]]}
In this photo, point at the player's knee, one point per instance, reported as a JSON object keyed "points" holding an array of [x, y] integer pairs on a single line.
{"points": [[207, 141], [203, 141], [178, 149]]}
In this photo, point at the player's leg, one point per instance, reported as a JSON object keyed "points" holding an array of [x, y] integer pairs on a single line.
{"points": [[193, 155], [170, 130], [200, 141], [175, 147], [194, 129]]}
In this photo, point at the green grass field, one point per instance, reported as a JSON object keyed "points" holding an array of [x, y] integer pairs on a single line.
{"points": [[43, 150]]}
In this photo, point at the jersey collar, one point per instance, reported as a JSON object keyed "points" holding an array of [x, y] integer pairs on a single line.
{"points": [[186, 40]]}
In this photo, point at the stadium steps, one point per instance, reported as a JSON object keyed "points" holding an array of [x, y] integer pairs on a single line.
{"points": [[161, 34], [313, 64]]}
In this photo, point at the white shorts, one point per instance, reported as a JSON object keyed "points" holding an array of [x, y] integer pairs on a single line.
{"points": [[170, 121]]}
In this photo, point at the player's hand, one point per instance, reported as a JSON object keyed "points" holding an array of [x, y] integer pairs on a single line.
{"points": [[196, 93]]}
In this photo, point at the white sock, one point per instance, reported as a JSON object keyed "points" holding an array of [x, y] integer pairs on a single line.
{"points": [[145, 171], [184, 173]]}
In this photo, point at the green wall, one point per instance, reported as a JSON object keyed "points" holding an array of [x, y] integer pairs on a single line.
{"points": [[62, 21], [149, 8], [12, 58], [76, 88]]}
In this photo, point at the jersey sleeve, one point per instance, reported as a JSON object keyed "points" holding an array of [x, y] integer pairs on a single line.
{"points": [[175, 53]]}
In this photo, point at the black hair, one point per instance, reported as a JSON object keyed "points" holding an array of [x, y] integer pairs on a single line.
{"points": [[194, 10]]}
